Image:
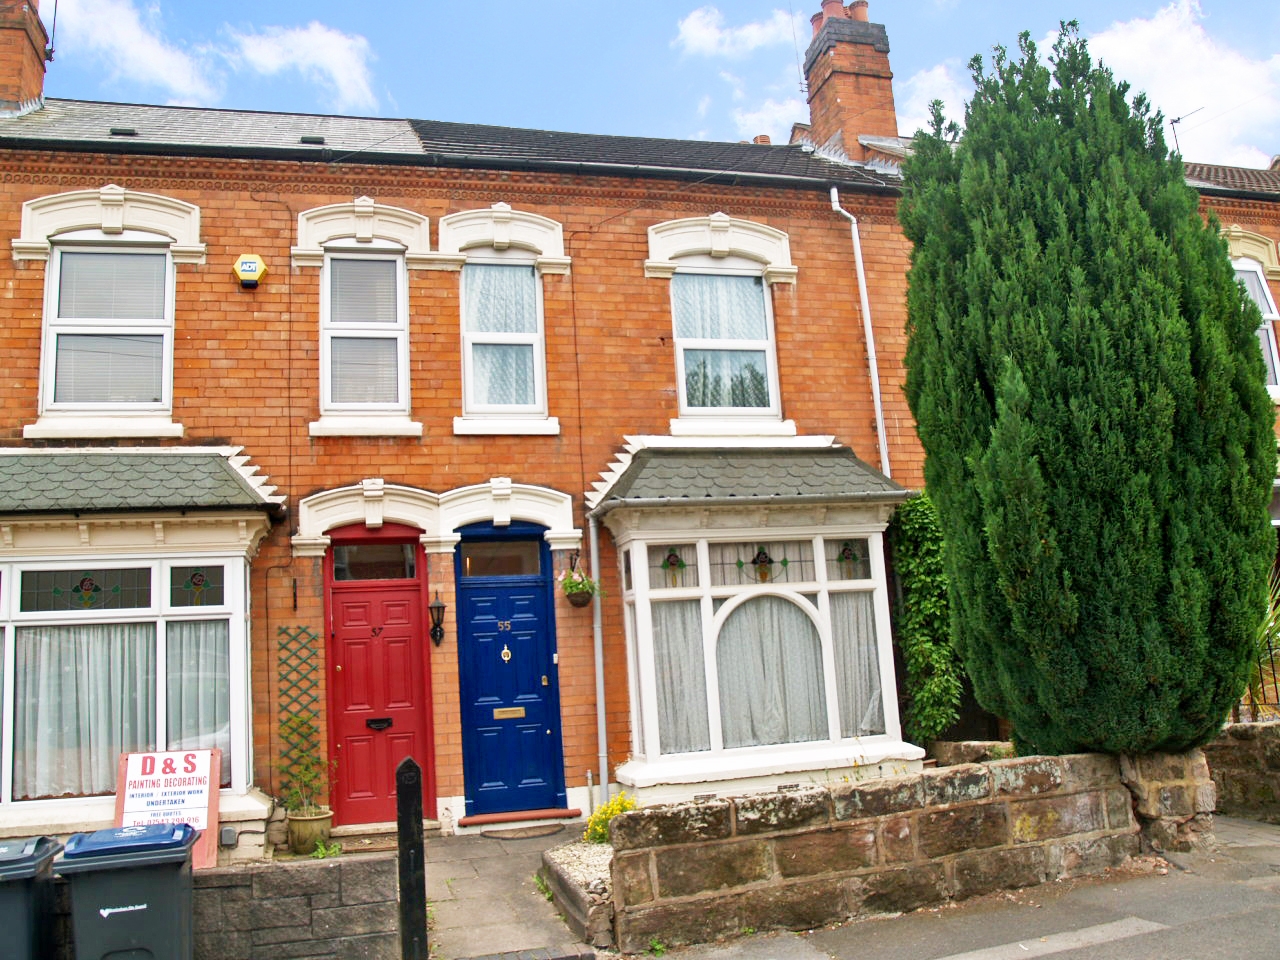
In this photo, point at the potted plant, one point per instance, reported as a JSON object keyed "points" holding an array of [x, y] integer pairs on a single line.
{"points": [[309, 821], [578, 587]]}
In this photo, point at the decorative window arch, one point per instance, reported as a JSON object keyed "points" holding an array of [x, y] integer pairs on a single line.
{"points": [[1254, 246], [502, 228], [374, 502], [112, 210], [362, 221], [720, 236], [1256, 262]]}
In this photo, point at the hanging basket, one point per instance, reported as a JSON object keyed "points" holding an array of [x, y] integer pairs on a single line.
{"points": [[579, 599]]}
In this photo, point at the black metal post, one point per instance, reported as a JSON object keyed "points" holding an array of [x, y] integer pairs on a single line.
{"points": [[412, 861]]}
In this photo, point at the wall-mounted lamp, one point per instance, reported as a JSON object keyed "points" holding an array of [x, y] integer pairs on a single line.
{"points": [[437, 619]]}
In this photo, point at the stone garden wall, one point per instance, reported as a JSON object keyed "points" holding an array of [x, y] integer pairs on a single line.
{"points": [[1245, 763], [695, 872]]}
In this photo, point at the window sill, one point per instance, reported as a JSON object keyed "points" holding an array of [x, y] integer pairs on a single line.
{"points": [[729, 427], [364, 426], [706, 769], [512, 426], [81, 426]]}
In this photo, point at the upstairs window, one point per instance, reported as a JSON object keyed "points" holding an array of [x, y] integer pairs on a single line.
{"points": [[1250, 273], [504, 372], [364, 350], [109, 335], [724, 349]]}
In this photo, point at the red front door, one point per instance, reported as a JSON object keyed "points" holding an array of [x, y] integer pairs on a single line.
{"points": [[377, 691]]}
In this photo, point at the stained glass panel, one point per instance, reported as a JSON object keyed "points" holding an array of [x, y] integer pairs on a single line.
{"points": [[196, 586], [79, 589]]}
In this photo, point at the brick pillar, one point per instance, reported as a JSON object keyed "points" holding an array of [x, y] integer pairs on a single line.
{"points": [[850, 84], [22, 56]]}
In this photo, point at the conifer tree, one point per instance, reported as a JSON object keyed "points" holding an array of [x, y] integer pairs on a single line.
{"points": [[1085, 374]]}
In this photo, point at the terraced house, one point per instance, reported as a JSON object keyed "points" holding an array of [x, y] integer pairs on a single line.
{"points": [[284, 393]]}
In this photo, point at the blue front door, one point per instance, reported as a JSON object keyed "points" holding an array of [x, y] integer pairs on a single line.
{"points": [[511, 751]]}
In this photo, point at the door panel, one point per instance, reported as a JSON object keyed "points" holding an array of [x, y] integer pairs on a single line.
{"points": [[511, 745], [377, 695]]}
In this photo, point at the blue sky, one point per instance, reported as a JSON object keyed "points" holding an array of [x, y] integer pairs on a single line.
{"points": [[659, 68]]}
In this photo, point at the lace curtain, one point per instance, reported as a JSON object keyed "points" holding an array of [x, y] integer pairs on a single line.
{"points": [[682, 680], [199, 688], [769, 658], [857, 664], [501, 300]]}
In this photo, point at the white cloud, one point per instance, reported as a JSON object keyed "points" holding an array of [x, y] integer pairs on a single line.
{"points": [[113, 32], [736, 83], [1183, 68], [703, 33], [945, 82], [704, 105], [329, 58], [773, 117]]}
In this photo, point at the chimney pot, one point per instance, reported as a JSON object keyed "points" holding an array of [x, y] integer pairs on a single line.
{"points": [[832, 8], [816, 20], [858, 10], [762, 138]]}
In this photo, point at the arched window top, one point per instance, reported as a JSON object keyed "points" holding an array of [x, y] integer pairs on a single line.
{"points": [[363, 220], [1254, 246], [502, 228], [112, 210], [720, 237]]}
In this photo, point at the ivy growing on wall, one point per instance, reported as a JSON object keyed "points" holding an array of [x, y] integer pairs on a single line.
{"points": [[933, 672]]}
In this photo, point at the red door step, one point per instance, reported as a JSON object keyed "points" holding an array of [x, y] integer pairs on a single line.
{"points": [[521, 816]]}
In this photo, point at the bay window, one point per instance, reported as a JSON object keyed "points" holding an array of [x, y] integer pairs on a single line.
{"points": [[101, 660]]}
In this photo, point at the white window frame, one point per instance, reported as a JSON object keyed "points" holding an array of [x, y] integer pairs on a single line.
{"points": [[735, 267], [502, 235], [63, 814], [471, 407], [1270, 316], [648, 767], [93, 242], [722, 244], [378, 415]]}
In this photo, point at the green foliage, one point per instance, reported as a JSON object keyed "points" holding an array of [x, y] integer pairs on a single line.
{"points": [[308, 773], [325, 850], [544, 888], [933, 675], [657, 947], [1084, 372], [598, 823]]}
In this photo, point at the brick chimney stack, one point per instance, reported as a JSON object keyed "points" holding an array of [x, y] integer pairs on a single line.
{"points": [[850, 84], [22, 56]]}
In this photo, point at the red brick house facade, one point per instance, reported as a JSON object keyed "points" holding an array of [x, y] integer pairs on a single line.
{"points": [[232, 499]]}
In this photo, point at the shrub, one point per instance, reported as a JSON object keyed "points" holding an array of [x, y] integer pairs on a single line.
{"points": [[598, 823]]}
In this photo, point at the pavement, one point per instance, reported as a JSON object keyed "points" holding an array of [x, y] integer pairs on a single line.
{"points": [[1224, 903]]}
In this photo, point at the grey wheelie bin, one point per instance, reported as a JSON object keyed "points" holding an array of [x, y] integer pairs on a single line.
{"points": [[26, 895], [131, 892]]}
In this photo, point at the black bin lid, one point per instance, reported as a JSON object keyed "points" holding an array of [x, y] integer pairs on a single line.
{"points": [[23, 857]]}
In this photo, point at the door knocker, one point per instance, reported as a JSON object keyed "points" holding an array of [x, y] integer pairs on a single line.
{"points": [[506, 654]]}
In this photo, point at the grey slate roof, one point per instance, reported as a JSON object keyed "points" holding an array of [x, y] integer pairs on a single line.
{"points": [[196, 131], [1212, 177], [690, 477], [79, 481]]}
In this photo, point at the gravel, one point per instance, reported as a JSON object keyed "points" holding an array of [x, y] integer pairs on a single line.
{"points": [[586, 864]]}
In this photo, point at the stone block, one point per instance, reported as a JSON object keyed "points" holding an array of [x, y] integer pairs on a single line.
{"points": [[632, 883], [897, 840], [877, 798], [367, 879], [1244, 731], [978, 872], [1229, 754], [1028, 776], [676, 823], [683, 871], [1089, 771], [967, 783], [356, 921], [965, 828], [1205, 797], [290, 912], [1050, 817], [299, 950], [898, 891], [698, 921], [1119, 805], [1271, 754], [1087, 856], [826, 851], [795, 906], [948, 753], [219, 944], [299, 879], [770, 812]]}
